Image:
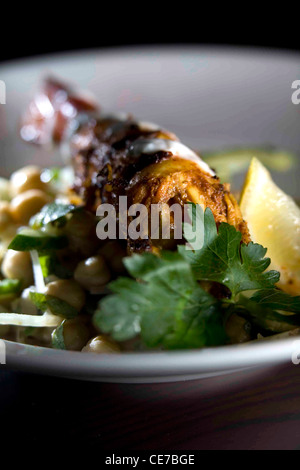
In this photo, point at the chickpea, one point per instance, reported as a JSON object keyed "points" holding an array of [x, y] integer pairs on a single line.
{"points": [[81, 232], [27, 204], [92, 274], [6, 237], [18, 265], [68, 291], [27, 178], [41, 336], [76, 334], [5, 189], [101, 345], [52, 278], [114, 253], [238, 330], [6, 218], [25, 303]]}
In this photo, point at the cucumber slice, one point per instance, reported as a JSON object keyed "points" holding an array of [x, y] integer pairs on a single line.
{"points": [[9, 286], [228, 163], [30, 240], [52, 213]]}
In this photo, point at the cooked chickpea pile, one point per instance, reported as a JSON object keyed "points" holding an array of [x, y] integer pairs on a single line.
{"points": [[90, 263]]}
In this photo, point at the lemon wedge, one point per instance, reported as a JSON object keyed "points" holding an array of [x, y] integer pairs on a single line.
{"points": [[273, 219]]}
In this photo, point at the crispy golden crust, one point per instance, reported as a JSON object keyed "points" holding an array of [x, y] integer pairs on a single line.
{"points": [[103, 165], [174, 180], [105, 169]]}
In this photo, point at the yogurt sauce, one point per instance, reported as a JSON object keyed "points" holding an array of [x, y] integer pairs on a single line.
{"points": [[178, 149]]}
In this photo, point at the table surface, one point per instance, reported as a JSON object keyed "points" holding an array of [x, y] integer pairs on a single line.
{"points": [[261, 413]]}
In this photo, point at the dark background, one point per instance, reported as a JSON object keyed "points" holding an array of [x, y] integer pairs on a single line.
{"points": [[49, 29], [173, 416]]}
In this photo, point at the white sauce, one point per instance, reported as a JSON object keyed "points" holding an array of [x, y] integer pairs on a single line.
{"points": [[178, 149], [148, 126]]}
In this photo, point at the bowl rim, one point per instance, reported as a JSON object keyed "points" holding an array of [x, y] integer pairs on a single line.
{"points": [[239, 50], [151, 365], [129, 365]]}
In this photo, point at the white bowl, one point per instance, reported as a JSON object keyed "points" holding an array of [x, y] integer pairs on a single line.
{"points": [[210, 97]]}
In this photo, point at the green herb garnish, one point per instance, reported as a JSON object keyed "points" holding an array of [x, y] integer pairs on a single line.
{"points": [[169, 308], [266, 318], [224, 259], [165, 305], [57, 306], [50, 264], [58, 341], [51, 213]]}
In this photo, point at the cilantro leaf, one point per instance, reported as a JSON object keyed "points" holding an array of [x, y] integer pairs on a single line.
{"points": [[224, 259], [167, 309]]}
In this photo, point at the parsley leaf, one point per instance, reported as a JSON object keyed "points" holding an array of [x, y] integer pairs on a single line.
{"points": [[58, 340], [51, 264], [224, 259], [168, 308], [277, 300], [53, 212], [57, 306], [263, 316]]}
